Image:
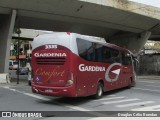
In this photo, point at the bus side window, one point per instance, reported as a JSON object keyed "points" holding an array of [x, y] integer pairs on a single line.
{"points": [[126, 58], [86, 49], [107, 55], [90, 51], [115, 56], [98, 53]]}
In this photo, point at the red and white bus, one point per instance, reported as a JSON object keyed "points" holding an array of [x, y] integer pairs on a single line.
{"points": [[73, 65]]}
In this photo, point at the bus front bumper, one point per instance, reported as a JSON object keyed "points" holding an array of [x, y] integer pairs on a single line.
{"points": [[68, 91]]}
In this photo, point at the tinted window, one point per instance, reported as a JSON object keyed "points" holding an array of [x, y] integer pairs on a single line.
{"points": [[115, 56], [86, 49], [126, 58], [97, 52], [103, 54]]}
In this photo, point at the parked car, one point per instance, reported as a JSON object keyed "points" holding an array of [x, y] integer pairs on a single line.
{"points": [[23, 71], [13, 65]]}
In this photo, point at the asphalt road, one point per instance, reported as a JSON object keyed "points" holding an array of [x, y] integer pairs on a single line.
{"points": [[144, 97]]}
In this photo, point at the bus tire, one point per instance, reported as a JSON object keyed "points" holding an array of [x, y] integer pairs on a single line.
{"points": [[131, 84], [99, 92]]}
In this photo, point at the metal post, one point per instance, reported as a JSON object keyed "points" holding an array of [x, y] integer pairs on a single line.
{"points": [[18, 61], [18, 31]]}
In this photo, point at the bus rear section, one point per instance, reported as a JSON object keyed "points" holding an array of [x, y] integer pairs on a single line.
{"points": [[51, 66]]}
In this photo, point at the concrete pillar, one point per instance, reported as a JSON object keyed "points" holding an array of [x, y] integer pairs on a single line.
{"points": [[131, 41], [6, 27]]}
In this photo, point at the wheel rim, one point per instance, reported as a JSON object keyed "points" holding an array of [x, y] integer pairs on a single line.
{"points": [[99, 91]]}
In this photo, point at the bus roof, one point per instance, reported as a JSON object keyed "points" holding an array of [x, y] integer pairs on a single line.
{"points": [[98, 40]]}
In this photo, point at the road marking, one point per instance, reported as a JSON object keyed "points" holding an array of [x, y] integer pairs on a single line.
{"points": [[146, 81], [133, 104], [119, 101], [36, 96], [111, 95], [152, 86], [28, 94], [62, 104], [150, 108], [147, 89], [111, 98]]}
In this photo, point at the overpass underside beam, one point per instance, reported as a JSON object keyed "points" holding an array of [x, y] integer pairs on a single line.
{"points": [[132, 41], [6, 27]]}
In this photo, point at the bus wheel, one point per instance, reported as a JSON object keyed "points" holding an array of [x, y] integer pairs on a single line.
{"points": [[131, 84], [99, 92]]}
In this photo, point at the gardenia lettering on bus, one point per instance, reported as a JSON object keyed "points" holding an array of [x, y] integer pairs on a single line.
{"points": [[82, 67], [50, 55]]}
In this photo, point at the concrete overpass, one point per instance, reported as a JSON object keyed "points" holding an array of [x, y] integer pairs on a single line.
{"points": [[120, 21]]}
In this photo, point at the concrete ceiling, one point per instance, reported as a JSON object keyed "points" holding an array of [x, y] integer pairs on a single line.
{"points": [[81, 17]]}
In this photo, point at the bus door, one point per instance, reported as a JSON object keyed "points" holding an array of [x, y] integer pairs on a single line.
{"points": [[127, 67]]}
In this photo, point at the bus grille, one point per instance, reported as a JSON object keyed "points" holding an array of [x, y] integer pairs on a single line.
{"points": [[50, 61]]}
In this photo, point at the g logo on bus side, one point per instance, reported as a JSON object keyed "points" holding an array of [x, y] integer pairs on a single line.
{"points": [[116, 72]]}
